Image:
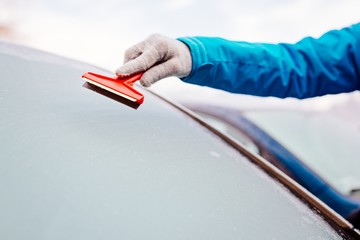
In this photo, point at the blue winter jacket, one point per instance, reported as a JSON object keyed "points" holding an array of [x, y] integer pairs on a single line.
{"points": [[310, 67]]}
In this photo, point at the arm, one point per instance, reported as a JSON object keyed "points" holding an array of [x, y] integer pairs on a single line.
{"points": [[311, 67]]}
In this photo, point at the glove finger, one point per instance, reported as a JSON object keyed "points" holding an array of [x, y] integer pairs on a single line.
{"points": [[155, 43], [134, 51], [158, 72], [143, 62]]}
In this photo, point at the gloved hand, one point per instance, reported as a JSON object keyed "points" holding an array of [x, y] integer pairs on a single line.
{"points": [[159, 57]]}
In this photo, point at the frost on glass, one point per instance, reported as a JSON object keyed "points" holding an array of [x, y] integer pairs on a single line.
{"points": [[76, 165]]}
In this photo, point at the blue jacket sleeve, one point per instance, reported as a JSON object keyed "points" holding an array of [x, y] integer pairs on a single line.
{"points": [[308, 68]]}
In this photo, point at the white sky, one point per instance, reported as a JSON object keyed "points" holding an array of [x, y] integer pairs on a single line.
{"points": [[98, 32]]}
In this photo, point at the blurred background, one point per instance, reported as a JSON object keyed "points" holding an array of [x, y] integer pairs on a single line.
{"points": [[99, 32]]}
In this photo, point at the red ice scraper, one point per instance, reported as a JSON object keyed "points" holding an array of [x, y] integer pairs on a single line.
{"points": [[119, 89]]}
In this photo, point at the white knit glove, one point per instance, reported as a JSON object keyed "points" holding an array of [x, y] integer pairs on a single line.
{"points": [[158, 57]]}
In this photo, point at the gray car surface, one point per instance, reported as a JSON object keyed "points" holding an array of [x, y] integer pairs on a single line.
{"points": [[77, 165]]}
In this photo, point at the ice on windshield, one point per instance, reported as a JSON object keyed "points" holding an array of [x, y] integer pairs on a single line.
{"points": [[76, 165]]}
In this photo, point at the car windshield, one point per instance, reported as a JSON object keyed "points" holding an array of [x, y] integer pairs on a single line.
{"points": [[77, 165], [327, 140]]}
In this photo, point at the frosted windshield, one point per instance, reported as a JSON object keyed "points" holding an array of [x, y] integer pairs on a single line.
{"points": [[76, 165]]}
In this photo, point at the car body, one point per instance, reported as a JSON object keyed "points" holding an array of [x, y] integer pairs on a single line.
{"points": [[77, 165], [314, 146]]}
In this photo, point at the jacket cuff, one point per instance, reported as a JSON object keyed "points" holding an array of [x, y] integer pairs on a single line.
{"points": [[198, 56]]}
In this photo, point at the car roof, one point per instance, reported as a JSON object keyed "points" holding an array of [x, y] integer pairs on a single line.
{"points": [[78, 165]]}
